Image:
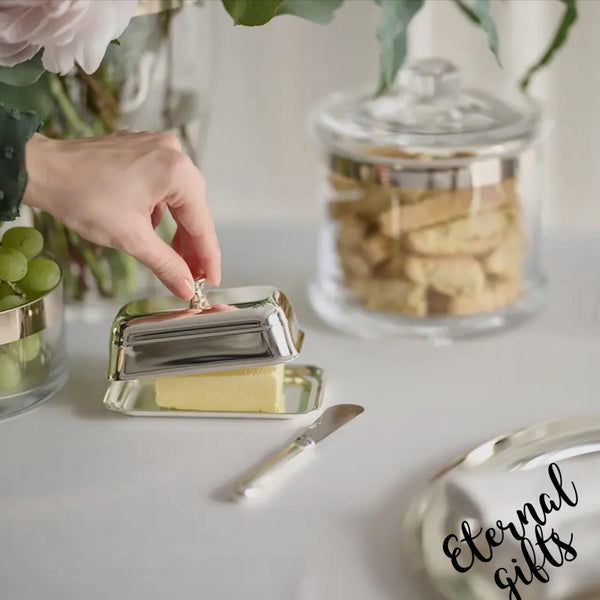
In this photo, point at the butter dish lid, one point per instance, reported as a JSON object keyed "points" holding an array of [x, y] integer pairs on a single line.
{"points": [[427, 114], [218, 330]]}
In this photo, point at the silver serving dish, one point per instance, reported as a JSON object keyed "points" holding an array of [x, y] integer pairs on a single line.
{"points": [[218, 330], [302, 391], [490, 484], [222, 329]]}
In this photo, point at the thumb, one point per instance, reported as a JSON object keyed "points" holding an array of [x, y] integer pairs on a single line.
{"points": [[164, 262]]}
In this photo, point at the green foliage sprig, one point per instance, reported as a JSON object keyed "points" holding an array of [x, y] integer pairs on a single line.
{"points": [[392, 31], [23, 74], [560, 37]]}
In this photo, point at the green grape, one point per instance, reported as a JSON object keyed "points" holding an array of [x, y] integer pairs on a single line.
{"points": [[27, 240], [13, 265], [10, 374], [11, 301], [5, 289], [42, 275], [25, 350]]}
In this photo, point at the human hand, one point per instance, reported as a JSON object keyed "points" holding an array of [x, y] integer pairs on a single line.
{"points": [[113, 191]]}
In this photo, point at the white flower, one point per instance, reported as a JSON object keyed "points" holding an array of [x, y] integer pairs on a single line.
{"points": [[69, 31]]}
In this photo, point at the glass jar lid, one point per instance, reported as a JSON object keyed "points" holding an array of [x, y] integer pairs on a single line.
{"points": [[427, 114]]}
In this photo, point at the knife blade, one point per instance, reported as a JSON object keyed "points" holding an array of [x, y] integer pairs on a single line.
{"points": [[330, 420]]}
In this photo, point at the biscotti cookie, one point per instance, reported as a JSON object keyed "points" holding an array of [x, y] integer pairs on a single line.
{"points": [[344, 208], [396, 295], [477, 234], [354, 263], [384, 196], [359, 250], [506, 259], [444, 207], [371, 200], [342, 182], [393, 267], [496, 294], [351, 232], [357, 207], [454, 276], [376, 249]]}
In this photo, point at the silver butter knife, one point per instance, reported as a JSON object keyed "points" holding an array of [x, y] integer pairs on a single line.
{"points": [[329, 421]]}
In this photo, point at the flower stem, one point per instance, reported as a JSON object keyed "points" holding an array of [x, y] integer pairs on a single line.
{"points": [[76, 124], [104, 104], [13, 287], [87, 253]]}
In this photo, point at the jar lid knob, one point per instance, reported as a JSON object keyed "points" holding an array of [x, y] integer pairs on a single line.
{"points": [[430, 78]]}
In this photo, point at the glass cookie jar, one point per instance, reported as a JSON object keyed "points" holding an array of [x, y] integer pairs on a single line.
{"points": [[432, 208]]}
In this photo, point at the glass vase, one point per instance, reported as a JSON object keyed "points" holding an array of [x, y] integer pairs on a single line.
{"points": [[155, 78]]}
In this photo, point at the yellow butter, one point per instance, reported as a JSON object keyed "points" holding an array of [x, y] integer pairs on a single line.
{"points": [[258, 389]]}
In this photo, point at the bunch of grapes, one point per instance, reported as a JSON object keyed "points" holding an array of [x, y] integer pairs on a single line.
{"points": [[24, 276]]}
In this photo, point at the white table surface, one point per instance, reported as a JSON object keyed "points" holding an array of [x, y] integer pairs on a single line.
{"points": [[95, 505]]}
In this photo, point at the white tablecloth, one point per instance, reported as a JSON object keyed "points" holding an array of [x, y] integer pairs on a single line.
{"points": [[95, 505]]}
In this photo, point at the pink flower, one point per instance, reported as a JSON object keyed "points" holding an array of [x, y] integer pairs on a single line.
{"points": [[69, 31]]}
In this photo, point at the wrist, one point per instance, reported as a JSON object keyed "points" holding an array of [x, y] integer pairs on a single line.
{"points": [[38, 151]]}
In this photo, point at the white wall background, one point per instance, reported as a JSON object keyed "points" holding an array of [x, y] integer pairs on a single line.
{"points": [[260, 163]]}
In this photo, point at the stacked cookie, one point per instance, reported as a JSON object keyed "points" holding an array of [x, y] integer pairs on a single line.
{"points": [[429, 252]]}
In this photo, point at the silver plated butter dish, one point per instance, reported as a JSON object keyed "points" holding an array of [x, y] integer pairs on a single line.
{"points": [[222, 329], [302, 391], [235, 329]]}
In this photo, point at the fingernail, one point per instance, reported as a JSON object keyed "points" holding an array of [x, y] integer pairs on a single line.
{"points": [[190, 285], [216, 281]]}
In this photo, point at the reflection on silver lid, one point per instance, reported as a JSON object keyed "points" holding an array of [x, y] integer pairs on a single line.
{"points": [[242, 327]]}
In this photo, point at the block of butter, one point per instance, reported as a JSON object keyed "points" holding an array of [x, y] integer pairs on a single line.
{"points": [[257, 389]]}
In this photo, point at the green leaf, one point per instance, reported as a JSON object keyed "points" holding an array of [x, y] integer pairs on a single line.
{"points": [[392, 33], [115, 42], [318, 11], [35, 97], [252, 12], [24, 73], [479, 13], [560, 37]]}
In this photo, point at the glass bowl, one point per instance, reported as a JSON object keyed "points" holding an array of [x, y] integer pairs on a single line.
{"points": [[32, 353]]}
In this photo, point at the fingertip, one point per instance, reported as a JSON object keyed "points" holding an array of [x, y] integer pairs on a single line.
{"points": [[190, 288], [213, 272], [162, 260], [180, 288], [216, 281], [216, 264]]}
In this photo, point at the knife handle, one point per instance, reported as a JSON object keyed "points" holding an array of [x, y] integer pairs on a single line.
{"points": [[249, 485]]}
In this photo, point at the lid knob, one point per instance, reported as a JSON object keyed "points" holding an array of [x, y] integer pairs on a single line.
{"points": [[199, 299], [430, 78]]}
